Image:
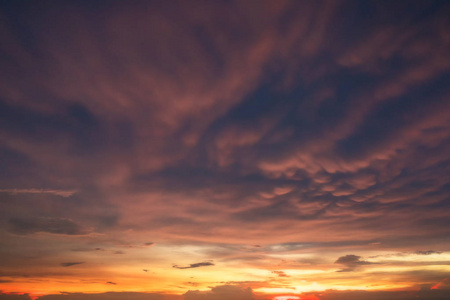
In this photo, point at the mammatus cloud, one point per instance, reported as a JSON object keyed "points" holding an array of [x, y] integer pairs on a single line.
{"points": [[69, 264], [307, 127], [351, 262], [196, 265], [49, 225]]}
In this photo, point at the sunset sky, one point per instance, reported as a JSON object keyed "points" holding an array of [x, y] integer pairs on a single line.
{"points": [[224, 150]]}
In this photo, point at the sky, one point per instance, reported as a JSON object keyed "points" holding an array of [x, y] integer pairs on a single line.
{"points": [[216, 150]]}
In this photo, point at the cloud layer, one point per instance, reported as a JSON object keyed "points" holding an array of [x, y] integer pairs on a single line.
{"points": [[272, 138]]}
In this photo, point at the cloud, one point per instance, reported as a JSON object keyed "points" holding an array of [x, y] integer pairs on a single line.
{"points": [[69, 264], [49, 225], [384, 295], [196, 265], [351, 262], [109, 296], [428, 252], [13, 296], [280, 273], [220, 293], [110, 282], [62, 193], [309, 128]]}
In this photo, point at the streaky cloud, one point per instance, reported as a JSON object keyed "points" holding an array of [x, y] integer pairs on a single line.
{"points": [[196, 265]]}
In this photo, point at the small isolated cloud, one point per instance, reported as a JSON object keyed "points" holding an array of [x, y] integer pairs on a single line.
{"points": [[191, 283], [351, 262], [110, 282], [69, 264], [196, 265], [62, 193], [50, 225], [145, 270], [149, 244], [280, 273], [221, 293]]}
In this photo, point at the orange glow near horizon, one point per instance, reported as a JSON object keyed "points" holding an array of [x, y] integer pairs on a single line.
{"points": [[286, 298], [438, 285]]}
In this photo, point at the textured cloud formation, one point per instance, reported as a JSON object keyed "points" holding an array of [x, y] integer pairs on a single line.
{"points": [[299, 117], [310, 128]]}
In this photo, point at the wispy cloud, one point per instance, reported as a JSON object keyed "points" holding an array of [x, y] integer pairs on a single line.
{"points": [[196, 265], [50, 225], [62, 193], [69, 264]]}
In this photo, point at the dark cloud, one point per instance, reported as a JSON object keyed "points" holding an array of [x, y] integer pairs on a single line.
{"points": [[50, 225], [14, 296], [220, 293], [351, 262], [303, 126], [110, 282], [383, 295], [62, 193], [428, 252], [106, 296], [69, 264], [196, 265]]}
